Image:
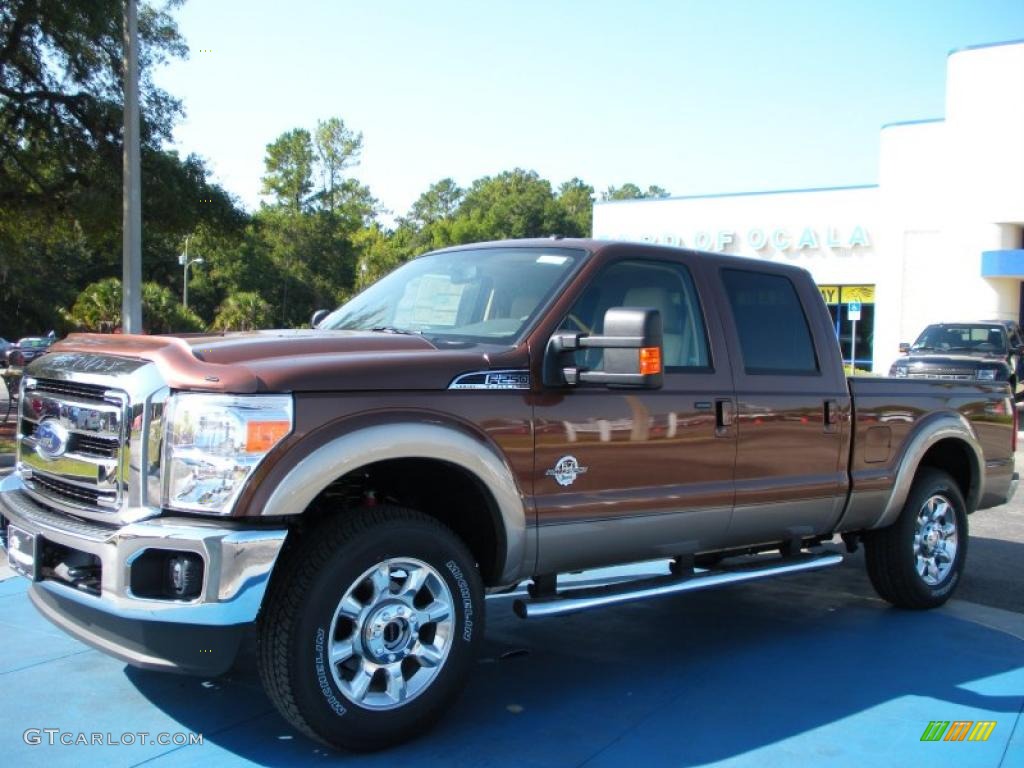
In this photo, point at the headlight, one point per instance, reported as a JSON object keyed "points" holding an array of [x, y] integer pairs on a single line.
{"points": [[212, 443], [987, 374], [899, 371]]}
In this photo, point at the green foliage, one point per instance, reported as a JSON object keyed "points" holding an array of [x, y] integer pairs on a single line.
{"points": [[513, 204], [577, 198], [61, 114], [289, 175], [438, 203], [337, 148], [630, 191], [162, 312], [98, 309], [245, 311]]}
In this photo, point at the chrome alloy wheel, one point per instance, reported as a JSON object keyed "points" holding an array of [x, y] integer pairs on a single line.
{"points": [[935, 540], [391, 634]]}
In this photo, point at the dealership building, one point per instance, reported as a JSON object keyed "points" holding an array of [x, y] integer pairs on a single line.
{"points": [[940, 237]]}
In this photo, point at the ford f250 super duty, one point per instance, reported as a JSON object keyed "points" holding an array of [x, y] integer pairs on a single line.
{"points": [[483, 416]]}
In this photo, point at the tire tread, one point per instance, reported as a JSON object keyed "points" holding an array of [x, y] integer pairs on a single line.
{"points": [[284, 601], [891, 573]]}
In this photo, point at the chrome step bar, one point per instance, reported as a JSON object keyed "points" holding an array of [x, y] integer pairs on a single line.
{"points": [[584, 599]]}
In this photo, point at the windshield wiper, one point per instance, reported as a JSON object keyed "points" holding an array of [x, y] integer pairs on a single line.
{"points": [[393, 329]]}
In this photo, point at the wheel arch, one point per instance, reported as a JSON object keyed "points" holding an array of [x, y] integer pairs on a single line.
{"points": [[450, 456], [945, 442]]}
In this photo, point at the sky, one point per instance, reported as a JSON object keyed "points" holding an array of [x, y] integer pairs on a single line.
{"points": [[696, 96]]}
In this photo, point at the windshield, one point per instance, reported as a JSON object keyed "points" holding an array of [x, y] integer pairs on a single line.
{"points": [[486, 294], [32, 343], [978, 339]]}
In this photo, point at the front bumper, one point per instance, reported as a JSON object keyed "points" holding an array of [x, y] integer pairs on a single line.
{"points": [[198, 636]]}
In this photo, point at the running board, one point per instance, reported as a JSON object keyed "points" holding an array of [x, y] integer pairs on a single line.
{"points": [[583, 599]]}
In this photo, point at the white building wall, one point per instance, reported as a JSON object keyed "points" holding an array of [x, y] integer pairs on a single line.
{"points": [[948, 190]]}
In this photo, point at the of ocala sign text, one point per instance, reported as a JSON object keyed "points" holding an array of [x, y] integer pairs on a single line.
{"points": [[779, 239]]}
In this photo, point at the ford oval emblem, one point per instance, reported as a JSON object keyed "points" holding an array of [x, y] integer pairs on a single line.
{"points": [[51, 439]]}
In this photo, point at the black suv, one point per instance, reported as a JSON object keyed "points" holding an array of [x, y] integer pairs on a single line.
{"points": [[980, 351]]}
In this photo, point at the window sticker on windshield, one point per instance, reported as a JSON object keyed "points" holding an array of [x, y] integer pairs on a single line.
{"points": [[552, 259], [429, 300]]}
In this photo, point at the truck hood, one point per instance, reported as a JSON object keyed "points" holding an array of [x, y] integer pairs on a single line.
{"points": [[291, 360]]}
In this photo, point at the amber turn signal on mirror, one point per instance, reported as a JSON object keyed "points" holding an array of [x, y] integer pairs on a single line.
{"points": [[650, 360]]}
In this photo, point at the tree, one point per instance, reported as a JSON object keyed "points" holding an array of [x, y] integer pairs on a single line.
{"points": [[513, 204], [630, 191], [163, 313], [379, 254], [289, 162], [577, 198], [440, 201], [61, 108], [246, 311], [61, 89], [337, 148], [98, 309]]}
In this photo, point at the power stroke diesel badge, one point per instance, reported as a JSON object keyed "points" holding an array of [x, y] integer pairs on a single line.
{"points": [[566, 470]]}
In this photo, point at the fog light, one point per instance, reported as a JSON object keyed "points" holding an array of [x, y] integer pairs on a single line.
{"points": [[184, 575], [166, 574]]}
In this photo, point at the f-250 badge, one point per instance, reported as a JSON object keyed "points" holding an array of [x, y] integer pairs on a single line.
{"points": [[566, 470]]}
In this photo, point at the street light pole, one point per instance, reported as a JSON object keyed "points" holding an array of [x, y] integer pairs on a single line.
{"points": [[185, 262], [131, 277]]}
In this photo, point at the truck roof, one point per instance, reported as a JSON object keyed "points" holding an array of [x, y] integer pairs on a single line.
{"points": [[595, 246]]}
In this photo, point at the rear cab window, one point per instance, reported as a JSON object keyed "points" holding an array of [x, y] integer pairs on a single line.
{"points": [[775, 337]]}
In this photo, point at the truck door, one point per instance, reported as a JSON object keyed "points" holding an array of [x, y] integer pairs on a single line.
{"points": [[793, 403], [626, 474]]}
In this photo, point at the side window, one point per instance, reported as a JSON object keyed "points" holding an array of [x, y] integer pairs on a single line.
{"points": [[663, 286], [773, 330]]}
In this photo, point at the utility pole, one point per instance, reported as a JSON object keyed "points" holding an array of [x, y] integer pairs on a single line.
{"points": [[131, 297]]}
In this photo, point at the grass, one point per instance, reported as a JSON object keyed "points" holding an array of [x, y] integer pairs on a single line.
{"points": [[6, 445]]}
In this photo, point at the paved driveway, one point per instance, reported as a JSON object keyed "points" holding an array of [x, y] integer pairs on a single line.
{"points": [[809, 670]]}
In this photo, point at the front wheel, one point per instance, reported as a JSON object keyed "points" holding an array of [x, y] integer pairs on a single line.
{"points": [[371, 629], [917, 562]]}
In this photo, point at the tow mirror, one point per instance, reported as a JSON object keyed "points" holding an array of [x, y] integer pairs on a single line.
{"points": [[632, 344], [319, 315], [904, 348]]}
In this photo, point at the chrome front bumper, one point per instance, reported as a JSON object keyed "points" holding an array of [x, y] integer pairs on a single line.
{"points": [[237, 561]]}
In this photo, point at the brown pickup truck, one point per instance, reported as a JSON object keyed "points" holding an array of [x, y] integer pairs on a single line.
{"points": [[483, 416]]}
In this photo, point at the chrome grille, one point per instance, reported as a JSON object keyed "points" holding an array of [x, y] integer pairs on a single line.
{"points": [[92, 392], [67, 491], [954, 375], [87, 470]]}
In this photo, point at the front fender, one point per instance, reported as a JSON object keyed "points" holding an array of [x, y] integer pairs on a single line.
{"points": [[368, 445]]}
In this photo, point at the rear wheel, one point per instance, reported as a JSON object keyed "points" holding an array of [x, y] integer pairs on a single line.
{"points": [[917, 562], [371, 630]]}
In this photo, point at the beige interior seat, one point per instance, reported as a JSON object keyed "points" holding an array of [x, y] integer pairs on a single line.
{"points": [[522, 305], [655, 297]]}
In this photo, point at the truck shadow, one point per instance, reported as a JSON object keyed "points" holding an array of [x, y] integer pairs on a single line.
{"points": [[686, 680]]}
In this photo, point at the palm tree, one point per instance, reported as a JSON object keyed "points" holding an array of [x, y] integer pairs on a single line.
{"points": [[245, 311]]}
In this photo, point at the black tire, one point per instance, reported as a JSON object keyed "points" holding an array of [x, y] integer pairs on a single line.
{"points": [[891, 556], [299, 611]]}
